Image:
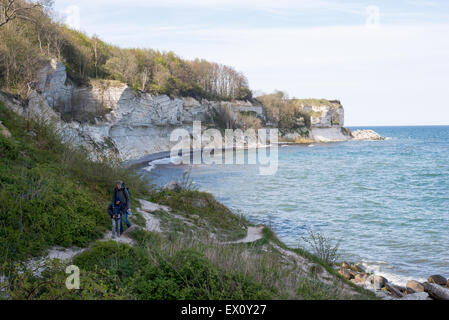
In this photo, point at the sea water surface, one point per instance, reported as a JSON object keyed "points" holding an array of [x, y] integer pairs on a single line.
{"points": [[387, 202]]}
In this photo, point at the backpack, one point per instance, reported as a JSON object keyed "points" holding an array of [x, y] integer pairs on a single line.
{"points": [[128, 194]]}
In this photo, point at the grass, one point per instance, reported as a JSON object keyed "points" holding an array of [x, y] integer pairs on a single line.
{"points": [[207, 213], [52, 194]]}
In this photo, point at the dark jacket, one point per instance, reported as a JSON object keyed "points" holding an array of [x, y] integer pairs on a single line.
{"points": [[114, 209], [121, 195]]}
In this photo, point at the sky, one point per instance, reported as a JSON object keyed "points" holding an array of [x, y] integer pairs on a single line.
{"points": [[386, 61]]}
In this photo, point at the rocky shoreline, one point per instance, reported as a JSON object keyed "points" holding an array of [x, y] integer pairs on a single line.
{"points": [[435, 288]]}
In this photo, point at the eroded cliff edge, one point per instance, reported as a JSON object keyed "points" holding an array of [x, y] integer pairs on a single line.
{"points": [[108, 116]]}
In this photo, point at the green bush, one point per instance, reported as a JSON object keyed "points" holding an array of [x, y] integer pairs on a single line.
{"points": [[50, 284], [189, 275], [52, 194], [119, 258]]}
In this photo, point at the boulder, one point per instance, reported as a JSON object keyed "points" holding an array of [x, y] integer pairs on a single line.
{"points": [[394, 291], [345, 265], [345, 273], [353, 273], [173, 186], [361, 278], [357, 268], [436, 291], [366, 135], [413, 286], [378, 282], [442, 281]]}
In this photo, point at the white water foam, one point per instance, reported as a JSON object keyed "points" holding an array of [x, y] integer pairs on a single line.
{"points": [[153, 164], [380, 268]]}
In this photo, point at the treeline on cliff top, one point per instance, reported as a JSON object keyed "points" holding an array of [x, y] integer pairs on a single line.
{"points": [[31, 33]]}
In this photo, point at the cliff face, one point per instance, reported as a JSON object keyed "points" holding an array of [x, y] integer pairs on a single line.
{"points": [[326, 121], [108, 116]]}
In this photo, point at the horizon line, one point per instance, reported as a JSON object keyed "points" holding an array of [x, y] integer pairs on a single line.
{"points": [[400, 125]]}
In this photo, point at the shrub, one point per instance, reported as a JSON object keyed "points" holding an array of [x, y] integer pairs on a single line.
{"points": [[188, 275], [324, 248], [52, 194], [121, 259]]}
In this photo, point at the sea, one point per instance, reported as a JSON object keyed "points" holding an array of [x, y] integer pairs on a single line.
{"points": [[385, 203]]}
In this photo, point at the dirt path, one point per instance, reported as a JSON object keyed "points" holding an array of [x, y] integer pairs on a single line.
{"points": [[153, 224], [253, 234]]}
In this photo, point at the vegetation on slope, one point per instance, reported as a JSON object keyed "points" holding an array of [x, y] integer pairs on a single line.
{"points": [[289, 114], [52, 194], [27, 42]]}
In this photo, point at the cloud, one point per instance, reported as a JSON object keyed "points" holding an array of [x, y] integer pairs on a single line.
{"points": [[277, 7], [383, 75], [73, 17], [254, 4]]}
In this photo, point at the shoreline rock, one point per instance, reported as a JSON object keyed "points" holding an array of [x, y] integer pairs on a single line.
{"points": [[437, 287], [414, 286], [437, 279], [173, 186], [367, 135]]}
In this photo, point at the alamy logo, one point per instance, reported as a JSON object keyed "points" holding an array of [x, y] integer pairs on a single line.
{"points": [[209, 147], [73, 280]]}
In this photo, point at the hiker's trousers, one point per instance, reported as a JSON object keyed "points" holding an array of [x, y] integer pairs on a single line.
{"points": [[116, 227]]}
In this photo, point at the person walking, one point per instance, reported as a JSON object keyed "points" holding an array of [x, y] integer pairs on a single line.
{"points": [[121, 198]]}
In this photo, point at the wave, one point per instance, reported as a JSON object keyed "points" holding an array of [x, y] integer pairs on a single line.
{"points": [[153, 164], [378, 268]]}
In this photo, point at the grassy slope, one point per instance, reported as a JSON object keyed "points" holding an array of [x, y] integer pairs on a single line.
{"points": [[53, 195]]}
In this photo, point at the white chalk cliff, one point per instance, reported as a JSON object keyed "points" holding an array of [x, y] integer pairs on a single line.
{"points": [[108, 116]]}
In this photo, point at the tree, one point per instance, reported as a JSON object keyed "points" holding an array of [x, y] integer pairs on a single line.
{"points": [[34, 33], [95, 47], [18, 60], [20, 9], [123, 66], [99, 55], [146, 66]]}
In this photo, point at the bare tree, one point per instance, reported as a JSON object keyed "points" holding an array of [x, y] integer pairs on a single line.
{"points": [[20, 9], [94, 41]]}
